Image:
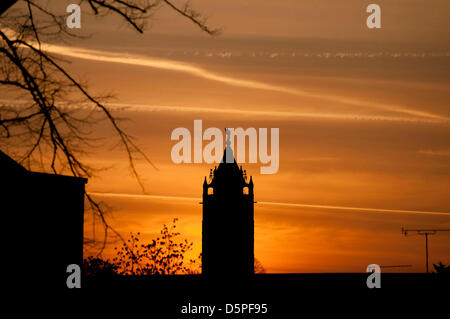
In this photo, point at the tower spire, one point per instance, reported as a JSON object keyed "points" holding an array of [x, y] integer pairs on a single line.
{"points": [[228, 143], [228, 156]]}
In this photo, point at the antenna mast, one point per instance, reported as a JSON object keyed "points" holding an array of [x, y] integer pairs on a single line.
{"points": [[424, 232]]}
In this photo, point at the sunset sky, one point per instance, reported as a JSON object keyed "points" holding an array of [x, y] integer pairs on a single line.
{"points": [[364, 119]]}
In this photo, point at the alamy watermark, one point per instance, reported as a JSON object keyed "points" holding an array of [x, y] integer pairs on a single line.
{"points": [[74, 278], [374, 279], [73, 21], [213, 151]]}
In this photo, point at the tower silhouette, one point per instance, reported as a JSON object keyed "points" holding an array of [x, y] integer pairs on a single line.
{"points": [[228, 226]]}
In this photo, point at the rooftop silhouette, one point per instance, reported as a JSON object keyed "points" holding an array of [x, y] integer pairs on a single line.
{"points": [[45, 212]]}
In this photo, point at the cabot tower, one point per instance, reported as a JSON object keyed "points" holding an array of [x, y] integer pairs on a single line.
{"points": [[228, 227]]}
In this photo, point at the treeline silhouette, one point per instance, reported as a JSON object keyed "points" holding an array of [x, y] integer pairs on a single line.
{"points": [[440, 268], [164, 255]]}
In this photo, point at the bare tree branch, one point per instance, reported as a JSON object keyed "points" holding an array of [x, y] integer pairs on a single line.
{"points": [[188, 12], [46, 123]]}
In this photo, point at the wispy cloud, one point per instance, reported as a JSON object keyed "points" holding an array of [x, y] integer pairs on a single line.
{"points": [[270, 114], [300, 54], [232, 112], [176, 66], [435, 152], [327, 207]]}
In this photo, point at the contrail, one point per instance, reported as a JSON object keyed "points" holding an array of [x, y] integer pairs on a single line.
{"points": [[365, 209], [132, 59], [289, 115], [346, 208], [282, 114]]}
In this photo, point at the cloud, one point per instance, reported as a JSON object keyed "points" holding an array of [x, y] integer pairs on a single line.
{"points": [[177, 66], [320, 55], [329, 207], [279, 114], [288, 115]]}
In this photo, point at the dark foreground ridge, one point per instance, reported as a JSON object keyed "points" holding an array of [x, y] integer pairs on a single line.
{"points": [[284, 294], [345, 281]]}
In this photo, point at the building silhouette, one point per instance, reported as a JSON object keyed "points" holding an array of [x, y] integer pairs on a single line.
{"points": [[228, 223], [43, 215]]}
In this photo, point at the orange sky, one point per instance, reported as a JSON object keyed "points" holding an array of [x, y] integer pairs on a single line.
{"points": [[363, 115]]}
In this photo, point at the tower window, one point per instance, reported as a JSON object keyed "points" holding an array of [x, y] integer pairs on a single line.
{"points": [[245, 191], [210, 191]]}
